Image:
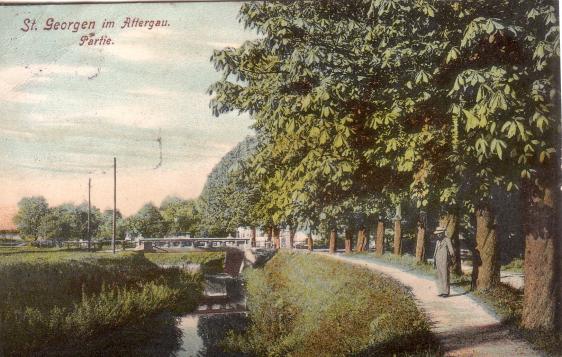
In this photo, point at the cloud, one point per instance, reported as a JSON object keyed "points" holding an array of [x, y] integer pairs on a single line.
{"points": [[134, 114], [155, 92], [140, 45], [14, 79], [143, 45], [15, 133]]}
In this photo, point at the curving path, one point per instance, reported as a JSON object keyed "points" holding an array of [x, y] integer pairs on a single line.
{"points": [[464, 327]]}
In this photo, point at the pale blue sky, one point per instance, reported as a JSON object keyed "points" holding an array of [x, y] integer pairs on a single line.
{"points": [[58, 127]]}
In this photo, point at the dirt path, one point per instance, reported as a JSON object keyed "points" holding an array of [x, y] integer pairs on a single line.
{"points": [[464, 327]]}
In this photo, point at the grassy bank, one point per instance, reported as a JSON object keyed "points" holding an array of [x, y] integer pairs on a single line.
{"points": [[52, 298], [305, 305]]}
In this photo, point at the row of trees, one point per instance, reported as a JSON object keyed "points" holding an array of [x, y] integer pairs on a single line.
{"points": [[364, 107], [35, 219]]}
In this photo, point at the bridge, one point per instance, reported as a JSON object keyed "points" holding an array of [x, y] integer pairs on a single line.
{"points": [[201, 243], [238, 250]]}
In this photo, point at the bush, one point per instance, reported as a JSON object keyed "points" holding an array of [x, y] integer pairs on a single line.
{"points": [[52, 298]]}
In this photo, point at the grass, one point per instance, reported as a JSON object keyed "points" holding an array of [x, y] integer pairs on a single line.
{"points": [[507, 302], [405, 260], [51, 297], [504, 300], [516, 265], [304, 305]]}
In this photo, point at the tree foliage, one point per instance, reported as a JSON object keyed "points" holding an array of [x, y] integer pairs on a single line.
{"points": [[147, 222], [362, 105], [181, 216], [30, 212], [228, 197]]}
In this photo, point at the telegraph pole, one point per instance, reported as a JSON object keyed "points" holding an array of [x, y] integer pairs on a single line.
{"points": [[114, 203], [89, 211]]}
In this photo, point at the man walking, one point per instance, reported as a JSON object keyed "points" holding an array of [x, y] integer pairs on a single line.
{"points": [[442, 258]]}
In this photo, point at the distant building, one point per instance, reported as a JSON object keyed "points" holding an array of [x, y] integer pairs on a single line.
{"points": [[8, 228], [261, 235], [9, 234]]}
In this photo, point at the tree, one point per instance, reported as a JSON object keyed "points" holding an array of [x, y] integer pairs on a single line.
{"points": [[105, 229], [147, 222], [31, 211], [383, 99], [181, 216], [81, 221], [228, 197], [67, 221], [505, 92]]}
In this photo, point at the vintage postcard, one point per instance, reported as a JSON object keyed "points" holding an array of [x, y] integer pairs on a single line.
{"points": [[280, 178]]}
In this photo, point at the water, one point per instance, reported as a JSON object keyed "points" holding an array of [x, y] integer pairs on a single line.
{"points": [[222, 309]]}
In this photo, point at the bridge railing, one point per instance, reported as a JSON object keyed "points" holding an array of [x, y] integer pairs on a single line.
{"points": [[193, 242]]}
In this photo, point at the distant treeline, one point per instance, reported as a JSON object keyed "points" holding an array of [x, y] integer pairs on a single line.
{"points": [[219, 210], [36, 220]]}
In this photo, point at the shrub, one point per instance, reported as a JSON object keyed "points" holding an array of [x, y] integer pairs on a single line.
{"points": [[49, 299]]}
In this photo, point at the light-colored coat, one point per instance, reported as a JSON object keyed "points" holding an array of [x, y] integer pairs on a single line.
{"points": [[442, 258]]}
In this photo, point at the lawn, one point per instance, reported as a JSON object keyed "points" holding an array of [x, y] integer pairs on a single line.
{"points": [[305, 305]]}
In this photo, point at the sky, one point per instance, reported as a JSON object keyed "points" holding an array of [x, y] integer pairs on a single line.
{"points": [[66, 110]]}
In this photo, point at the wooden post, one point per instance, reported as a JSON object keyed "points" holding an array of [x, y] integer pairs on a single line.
{"points": [[333, 240], [253, 238], [348, 237], [276, 237], [420, 238], [114, 204], [379, 240], [292, 232], [397, 231], [89, 212], [361, 239]]}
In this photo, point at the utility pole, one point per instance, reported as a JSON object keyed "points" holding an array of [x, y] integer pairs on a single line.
{"points": [[114, 203], [89, 212]]}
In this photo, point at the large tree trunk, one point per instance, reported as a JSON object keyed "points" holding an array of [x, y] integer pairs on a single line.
{"points": [[253, 238], [397, 237], [310, 242], [449, 221], [276, 238], [269, 233], [486, 258], [348, 238], [360, 246], [292, 232], [420, 241], [379, 240], [541, 295], [333, 240]]}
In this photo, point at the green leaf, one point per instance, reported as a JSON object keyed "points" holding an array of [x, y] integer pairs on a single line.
{"points": [[471, 120]]}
